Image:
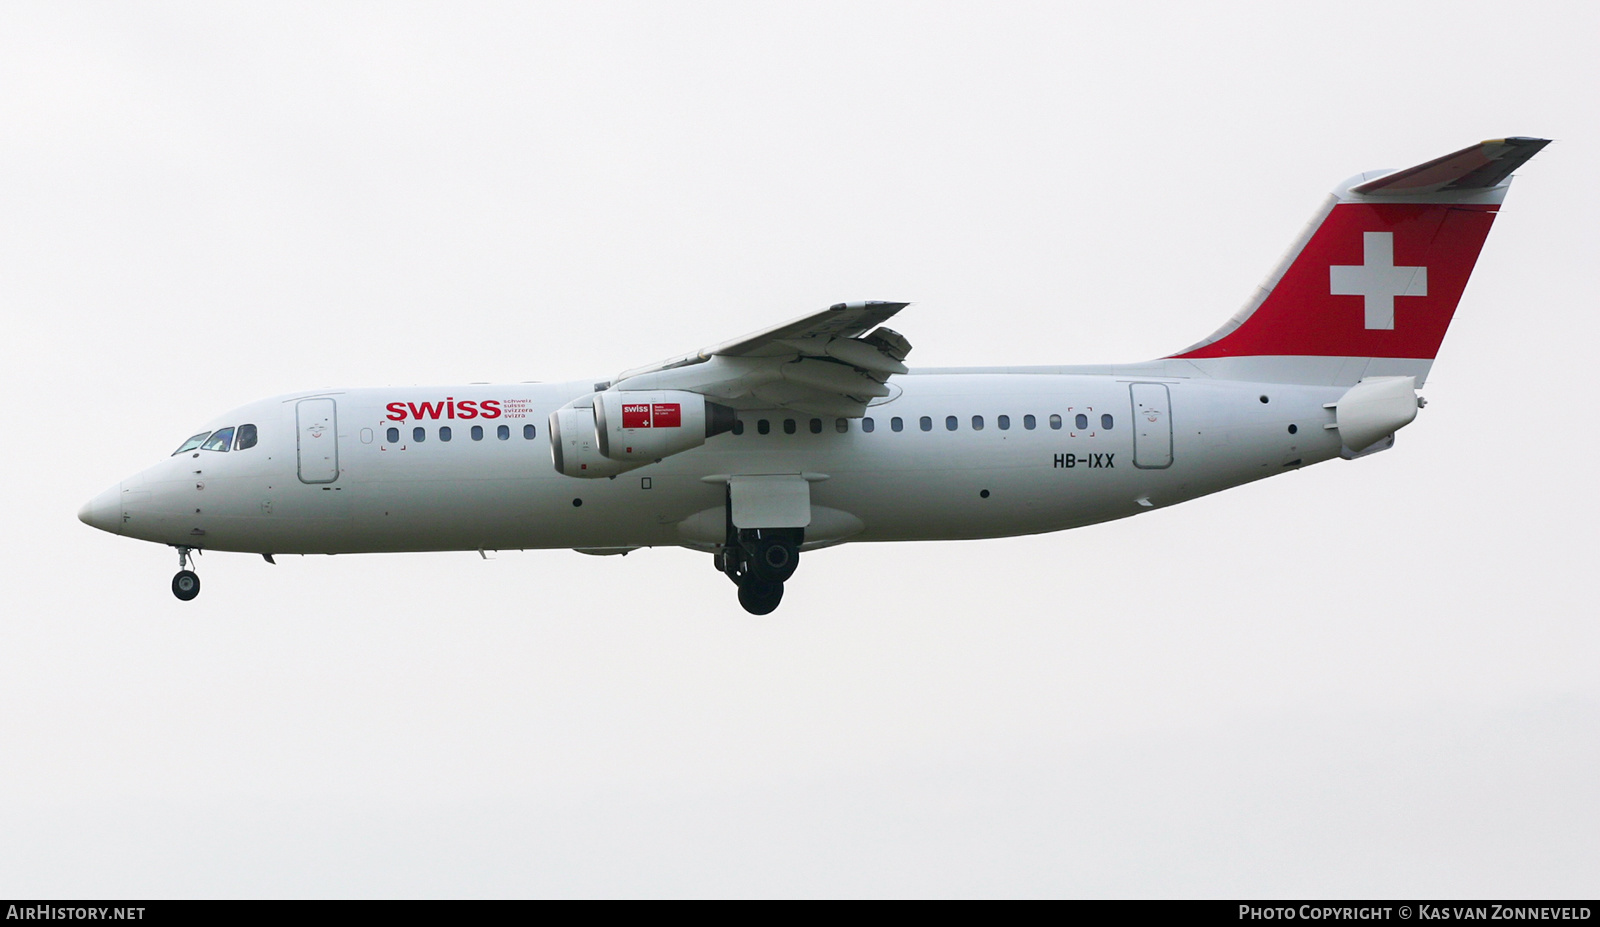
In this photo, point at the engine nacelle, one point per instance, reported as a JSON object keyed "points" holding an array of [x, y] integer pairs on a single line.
{"points": [[642, 426], [574, 449]]}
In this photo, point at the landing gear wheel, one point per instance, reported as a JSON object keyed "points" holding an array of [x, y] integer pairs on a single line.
{"points": [[773, 559], [186, 585], [759, 596]]}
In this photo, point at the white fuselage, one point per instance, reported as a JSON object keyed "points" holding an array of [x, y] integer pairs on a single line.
{"points": [[391, 492]]}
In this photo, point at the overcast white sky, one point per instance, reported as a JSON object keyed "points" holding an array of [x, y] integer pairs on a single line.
{"points": [[1369, 678]]}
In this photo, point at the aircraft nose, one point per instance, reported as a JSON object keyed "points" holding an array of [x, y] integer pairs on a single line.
{"points": [[104, 511]]}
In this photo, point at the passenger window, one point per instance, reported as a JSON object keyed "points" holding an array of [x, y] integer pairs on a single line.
{"points": [[503, 432], [816, 426], [220, 441], [1055, 421], [477, 432], [1106, 422], [896, 424], [788, 426], [444, 432], [529, 432], [246, 438], [950, 423], [868, 425], [763, 426], [841, 425], [1004, 421], [392, 436], [977, 423], [1028, 422], [192, 443], [419, 434], [738, 426], [1082, 422], [925, 423]]}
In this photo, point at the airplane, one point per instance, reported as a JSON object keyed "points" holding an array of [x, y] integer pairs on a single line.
{"points": [[815, 433]]}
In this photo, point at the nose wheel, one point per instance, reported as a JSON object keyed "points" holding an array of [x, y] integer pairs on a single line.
{"points": [[185, 585]]}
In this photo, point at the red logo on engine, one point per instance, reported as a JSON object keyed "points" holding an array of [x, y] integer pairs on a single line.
{"points": [[666, 415], [652, 415], [636, 415]]}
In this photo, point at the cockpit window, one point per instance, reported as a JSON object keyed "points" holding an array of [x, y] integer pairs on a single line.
{"points": [[246, 438], [192, 443], [220, 441]]}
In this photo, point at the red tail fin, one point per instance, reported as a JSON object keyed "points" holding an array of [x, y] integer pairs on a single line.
{"points": [[1379, 273]]}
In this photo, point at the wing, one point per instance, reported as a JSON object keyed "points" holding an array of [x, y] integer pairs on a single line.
{"points": [[832, 362]]}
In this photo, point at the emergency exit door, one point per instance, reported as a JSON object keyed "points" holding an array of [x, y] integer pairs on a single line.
{"points": [[317, 436], [1152, 426]]}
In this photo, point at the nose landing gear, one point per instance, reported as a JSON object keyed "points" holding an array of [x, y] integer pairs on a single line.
{"points": [[186, 585]]}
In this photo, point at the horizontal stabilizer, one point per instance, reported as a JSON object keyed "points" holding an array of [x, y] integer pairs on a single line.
{"points": [[1479, 167]]}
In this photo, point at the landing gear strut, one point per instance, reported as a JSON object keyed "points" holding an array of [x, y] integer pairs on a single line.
{"points": [[759, 560], [186, 585]]}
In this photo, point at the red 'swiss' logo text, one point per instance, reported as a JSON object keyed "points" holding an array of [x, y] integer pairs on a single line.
{"points": [[652, 415], [636, 415], [449, 408]]}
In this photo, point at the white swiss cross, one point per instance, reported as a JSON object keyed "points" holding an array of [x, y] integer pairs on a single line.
{"points": [[1377, 279]]}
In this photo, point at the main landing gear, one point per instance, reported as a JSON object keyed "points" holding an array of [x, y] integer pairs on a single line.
{"points": [[186, 585], [759, 560]]}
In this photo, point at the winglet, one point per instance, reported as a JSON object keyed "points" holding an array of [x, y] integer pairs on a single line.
{"points": [[1479, 167]]}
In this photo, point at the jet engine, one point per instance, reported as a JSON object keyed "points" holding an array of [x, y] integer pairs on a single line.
{"points": [[647, 425], [573, 448], [617, 431]]}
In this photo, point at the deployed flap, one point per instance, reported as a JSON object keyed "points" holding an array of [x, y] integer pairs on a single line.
{"points": [[1479, 167], [832, 362], [770, 501]]}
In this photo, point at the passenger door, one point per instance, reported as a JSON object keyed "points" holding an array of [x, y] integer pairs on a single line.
{"points": [[1152, 426], [317, 440]]}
